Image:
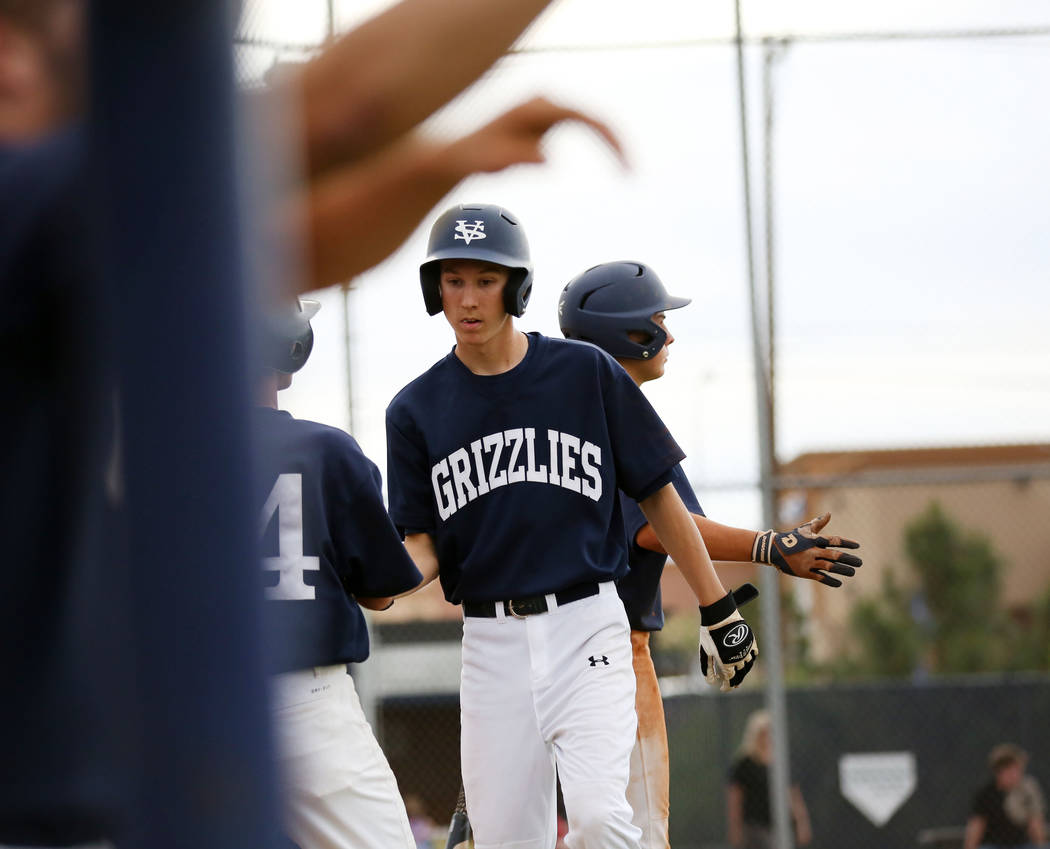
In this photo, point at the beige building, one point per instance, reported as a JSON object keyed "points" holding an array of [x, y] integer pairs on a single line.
{"points": [[1000, 492]]}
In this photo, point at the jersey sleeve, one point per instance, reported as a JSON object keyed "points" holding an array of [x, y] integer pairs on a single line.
{"points": [[371, 559], [408, 475], [633, 517], [645, 452]]}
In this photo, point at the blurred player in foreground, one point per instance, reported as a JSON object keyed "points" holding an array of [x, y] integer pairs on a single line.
{"points": [[330, 549], [81, 364], [620, 307], [368, 177], [504, 461]]}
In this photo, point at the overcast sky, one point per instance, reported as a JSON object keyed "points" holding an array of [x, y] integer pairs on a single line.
{"points": [[911, 205]]}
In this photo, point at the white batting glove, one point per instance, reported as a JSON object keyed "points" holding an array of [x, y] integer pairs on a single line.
{"points": [[710, 667], [733, 641]]}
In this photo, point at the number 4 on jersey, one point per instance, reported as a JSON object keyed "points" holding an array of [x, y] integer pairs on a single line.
{"points": [[286, 500]]}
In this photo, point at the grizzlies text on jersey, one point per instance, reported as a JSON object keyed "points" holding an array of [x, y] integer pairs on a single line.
{"points": [[515, 475]]}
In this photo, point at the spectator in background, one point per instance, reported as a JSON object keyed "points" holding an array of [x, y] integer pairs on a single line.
{"points": [[747, 802], [1010, 809]]}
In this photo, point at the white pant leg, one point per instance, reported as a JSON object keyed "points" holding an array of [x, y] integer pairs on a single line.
{"points": [[339, 790], [588, 710], [649, 786], [507, 765]]}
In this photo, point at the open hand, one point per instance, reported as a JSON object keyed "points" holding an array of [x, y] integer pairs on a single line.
{"points": [[803, 553]]}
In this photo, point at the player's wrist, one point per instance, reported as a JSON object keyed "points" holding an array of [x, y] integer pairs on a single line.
{"points": [[713, 615], [762, 548]]}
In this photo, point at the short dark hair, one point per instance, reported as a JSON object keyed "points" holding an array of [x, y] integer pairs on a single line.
{"points": [[1006, 754]]}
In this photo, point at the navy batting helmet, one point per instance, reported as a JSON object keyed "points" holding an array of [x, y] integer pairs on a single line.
{"points": [[481, 232], [289, 336], [610, 300]]}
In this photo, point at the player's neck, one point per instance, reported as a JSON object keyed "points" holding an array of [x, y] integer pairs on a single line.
{"points": [[497, 355], [266, 391], [630, 366]]}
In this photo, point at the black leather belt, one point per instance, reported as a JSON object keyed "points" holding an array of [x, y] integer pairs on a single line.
{"points": [[522, 607]]}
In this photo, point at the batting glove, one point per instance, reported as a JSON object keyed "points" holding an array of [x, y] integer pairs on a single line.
{"points": [[710, 667], [803, 553], [729, 643]]}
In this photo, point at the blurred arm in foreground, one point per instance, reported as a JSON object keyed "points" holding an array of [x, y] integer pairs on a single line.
{"points": [[368, 176]]}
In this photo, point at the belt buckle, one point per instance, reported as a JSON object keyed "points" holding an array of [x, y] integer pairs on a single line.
{"points": [[510, 608]]}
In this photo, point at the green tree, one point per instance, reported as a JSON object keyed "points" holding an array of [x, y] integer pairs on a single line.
{"points": [[1029, 636], [889, 641], [959, 578], [946, 615]]}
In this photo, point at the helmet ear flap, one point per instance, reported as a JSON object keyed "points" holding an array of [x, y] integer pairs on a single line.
{"points": [[289, 337], [607, 302], [517, 291], [299, 351], [429, 281]]}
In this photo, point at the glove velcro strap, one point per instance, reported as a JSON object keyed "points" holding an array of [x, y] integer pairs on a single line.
{"points": [[715, 614], [762, 550]]}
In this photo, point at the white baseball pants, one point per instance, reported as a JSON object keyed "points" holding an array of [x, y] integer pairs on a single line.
{"points": [[339, 790], [552, 691]]}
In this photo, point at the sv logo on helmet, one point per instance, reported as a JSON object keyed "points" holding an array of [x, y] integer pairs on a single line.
{"points": [[738, 635], [468, 232]]}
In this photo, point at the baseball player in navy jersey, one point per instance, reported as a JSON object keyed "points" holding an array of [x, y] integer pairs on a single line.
{"points": [[329, 549], [504, 463], [620, 307]]}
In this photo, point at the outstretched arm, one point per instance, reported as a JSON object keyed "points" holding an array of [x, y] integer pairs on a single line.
{"points": [[354, 217], [678, 535], [384, 77], [803, 552]]}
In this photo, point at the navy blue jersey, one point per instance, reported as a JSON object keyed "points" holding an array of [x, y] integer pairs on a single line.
{"points": [[325, 537], [640, 588], [516, 475], [64, 649]]}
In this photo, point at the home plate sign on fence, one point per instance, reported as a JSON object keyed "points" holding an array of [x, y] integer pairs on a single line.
{"points": [[877, 783]]}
